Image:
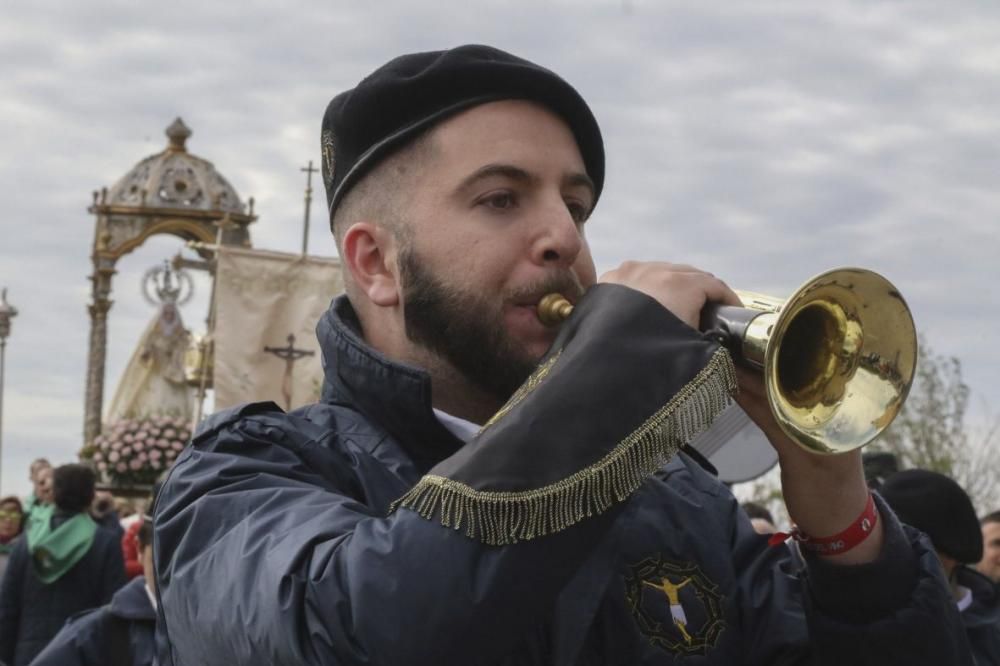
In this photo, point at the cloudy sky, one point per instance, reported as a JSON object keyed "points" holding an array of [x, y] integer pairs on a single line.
{"points": [[763, 141]]}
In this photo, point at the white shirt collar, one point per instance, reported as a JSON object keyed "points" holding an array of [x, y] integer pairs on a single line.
{"points": [[966, 599], [152, 597], [464, 430]]}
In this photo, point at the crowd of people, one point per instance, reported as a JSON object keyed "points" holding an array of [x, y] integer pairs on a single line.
{"points": [[477, 487], [69, 551]]}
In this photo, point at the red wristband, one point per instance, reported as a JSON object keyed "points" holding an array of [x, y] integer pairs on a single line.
{"points": [[841, 542]]}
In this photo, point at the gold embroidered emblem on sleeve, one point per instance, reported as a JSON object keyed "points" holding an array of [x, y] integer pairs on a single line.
{"points": [[675, 605]]}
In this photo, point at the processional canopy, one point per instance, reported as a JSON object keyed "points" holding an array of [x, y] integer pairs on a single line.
{"points": [[174, 178], [171, 192]]}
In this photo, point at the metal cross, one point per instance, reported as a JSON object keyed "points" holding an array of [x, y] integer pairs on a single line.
{"points": [[289, 355], [309, 170]]}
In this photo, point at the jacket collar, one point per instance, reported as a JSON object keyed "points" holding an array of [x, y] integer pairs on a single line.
{"points": [[392, 395], [132, 602], [985, 608]]}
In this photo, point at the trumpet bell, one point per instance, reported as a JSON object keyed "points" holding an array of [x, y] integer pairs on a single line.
{"points": [[839, 359]]}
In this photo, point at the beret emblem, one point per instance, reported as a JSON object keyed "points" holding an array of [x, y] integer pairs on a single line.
{"points": [[326, 144]]}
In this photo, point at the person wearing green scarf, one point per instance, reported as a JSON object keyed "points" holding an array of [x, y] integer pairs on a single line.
{"points": [[64, 565], [59, 543], [118, 634]]}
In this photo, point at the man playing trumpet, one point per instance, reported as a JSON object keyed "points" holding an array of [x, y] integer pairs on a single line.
{"points": [[475, 487]]}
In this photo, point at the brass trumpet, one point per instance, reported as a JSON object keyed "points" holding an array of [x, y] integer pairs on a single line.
{"points": [[838, 356]]}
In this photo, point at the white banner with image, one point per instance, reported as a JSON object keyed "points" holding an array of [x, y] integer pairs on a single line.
{"points": [[267, 307]]}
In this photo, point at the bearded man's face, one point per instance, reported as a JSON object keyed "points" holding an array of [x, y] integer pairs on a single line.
{"points": [[467, 329]]}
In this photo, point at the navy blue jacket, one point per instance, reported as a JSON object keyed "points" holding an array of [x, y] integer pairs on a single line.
{"points": [[86, 640], [274, 543], [32, 612], [982, 617]]}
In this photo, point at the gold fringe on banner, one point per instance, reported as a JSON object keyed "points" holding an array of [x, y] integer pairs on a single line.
{"points": [[501, 518]]}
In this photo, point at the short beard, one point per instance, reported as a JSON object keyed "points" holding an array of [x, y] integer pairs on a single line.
{"points": [[467, 329]]}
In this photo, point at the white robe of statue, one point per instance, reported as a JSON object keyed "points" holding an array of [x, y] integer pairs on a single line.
{"points": [[153, 383]]}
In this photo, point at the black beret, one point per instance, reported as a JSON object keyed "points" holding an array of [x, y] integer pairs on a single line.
{"points": [[364, 125], [937, 506]]}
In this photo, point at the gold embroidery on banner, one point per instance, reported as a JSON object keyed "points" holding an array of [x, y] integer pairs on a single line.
{"points": [[499, 518], [524, 390]]}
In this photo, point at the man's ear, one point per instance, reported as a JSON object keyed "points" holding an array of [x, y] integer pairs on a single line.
{"points": [[368, 252]]}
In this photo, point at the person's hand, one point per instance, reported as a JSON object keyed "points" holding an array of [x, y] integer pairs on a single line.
{"points": [[680, 288], [823, 493]]}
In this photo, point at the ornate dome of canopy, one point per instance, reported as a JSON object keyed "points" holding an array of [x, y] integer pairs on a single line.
{"points": [[175, 179]]}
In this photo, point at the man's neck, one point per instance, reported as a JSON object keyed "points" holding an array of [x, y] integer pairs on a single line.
{"points": [[451, 392]]}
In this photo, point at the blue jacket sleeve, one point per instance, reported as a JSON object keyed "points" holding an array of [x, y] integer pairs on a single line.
{"points": [[81, 642], [864, 615], [263, 559], [885, 612]]}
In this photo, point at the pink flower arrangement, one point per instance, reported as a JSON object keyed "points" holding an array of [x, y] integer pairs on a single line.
{"points": [[133, 453]]}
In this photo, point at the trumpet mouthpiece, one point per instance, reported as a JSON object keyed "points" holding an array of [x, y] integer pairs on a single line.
{"points": [[553, 309]]}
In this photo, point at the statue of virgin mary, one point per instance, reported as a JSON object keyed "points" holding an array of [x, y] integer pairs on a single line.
{"points": [[153, 383]]}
